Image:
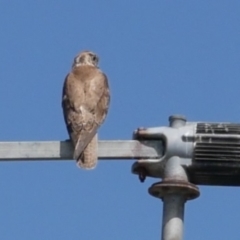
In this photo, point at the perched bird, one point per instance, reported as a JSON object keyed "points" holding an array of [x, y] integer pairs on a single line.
{"points": [[85, 102]]}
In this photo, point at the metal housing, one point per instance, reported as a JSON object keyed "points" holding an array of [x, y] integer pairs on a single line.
{"points": [[210, 152]]}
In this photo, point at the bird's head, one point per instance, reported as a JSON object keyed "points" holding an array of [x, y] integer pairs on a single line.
{"points": [[86, 58]]}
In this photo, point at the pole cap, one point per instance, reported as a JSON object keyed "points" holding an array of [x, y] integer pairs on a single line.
{"points": [[177, 121]]}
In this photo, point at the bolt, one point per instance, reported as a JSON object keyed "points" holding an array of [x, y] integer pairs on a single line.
{"points": [[142, 174]]}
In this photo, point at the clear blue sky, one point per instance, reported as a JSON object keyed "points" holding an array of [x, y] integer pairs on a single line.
{"points": [[162, 58]]}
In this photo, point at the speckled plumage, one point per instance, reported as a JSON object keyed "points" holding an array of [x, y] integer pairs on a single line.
{"points": [[85, 103]]}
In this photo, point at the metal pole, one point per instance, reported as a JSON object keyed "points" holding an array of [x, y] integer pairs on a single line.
{"points": [[174, 190], [173, 211], [63, 150]]}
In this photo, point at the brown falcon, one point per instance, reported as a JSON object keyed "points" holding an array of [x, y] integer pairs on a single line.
{"points": [[85, 102]]}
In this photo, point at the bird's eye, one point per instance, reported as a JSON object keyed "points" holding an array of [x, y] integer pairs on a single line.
{"points": [[76, 59], [94, 58]]}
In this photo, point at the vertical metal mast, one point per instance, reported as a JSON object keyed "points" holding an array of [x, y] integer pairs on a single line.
{"points": [[174, 189]]}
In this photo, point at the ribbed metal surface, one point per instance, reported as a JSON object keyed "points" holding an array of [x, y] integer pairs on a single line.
{"points": [[217, 142], [216, 155], [218, 128], [210, 151], [215, 174]]}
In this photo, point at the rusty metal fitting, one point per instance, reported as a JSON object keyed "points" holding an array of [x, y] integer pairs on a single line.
{"points": [[142, 173], [173, 186], [139, 133]]}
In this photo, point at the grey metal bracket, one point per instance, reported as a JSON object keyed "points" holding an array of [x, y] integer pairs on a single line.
{"points": [[209, 152], [63, 150], [175, 188], [193, 153]]}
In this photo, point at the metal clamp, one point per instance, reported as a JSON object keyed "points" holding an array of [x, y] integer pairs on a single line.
{"points": [[175, 188]]}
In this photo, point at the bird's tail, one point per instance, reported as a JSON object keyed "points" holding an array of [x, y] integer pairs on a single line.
{"points": [[88, 158]]}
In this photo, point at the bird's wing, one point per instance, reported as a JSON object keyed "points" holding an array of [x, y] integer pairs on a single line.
{"points": [[95, 107], [72, 99], [85, 104]]}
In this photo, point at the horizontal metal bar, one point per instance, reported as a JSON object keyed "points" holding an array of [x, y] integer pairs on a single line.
{"points": [[63, 150]]}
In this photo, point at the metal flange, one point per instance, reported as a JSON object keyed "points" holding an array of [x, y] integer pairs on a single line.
{"points": [[166, 187]]}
